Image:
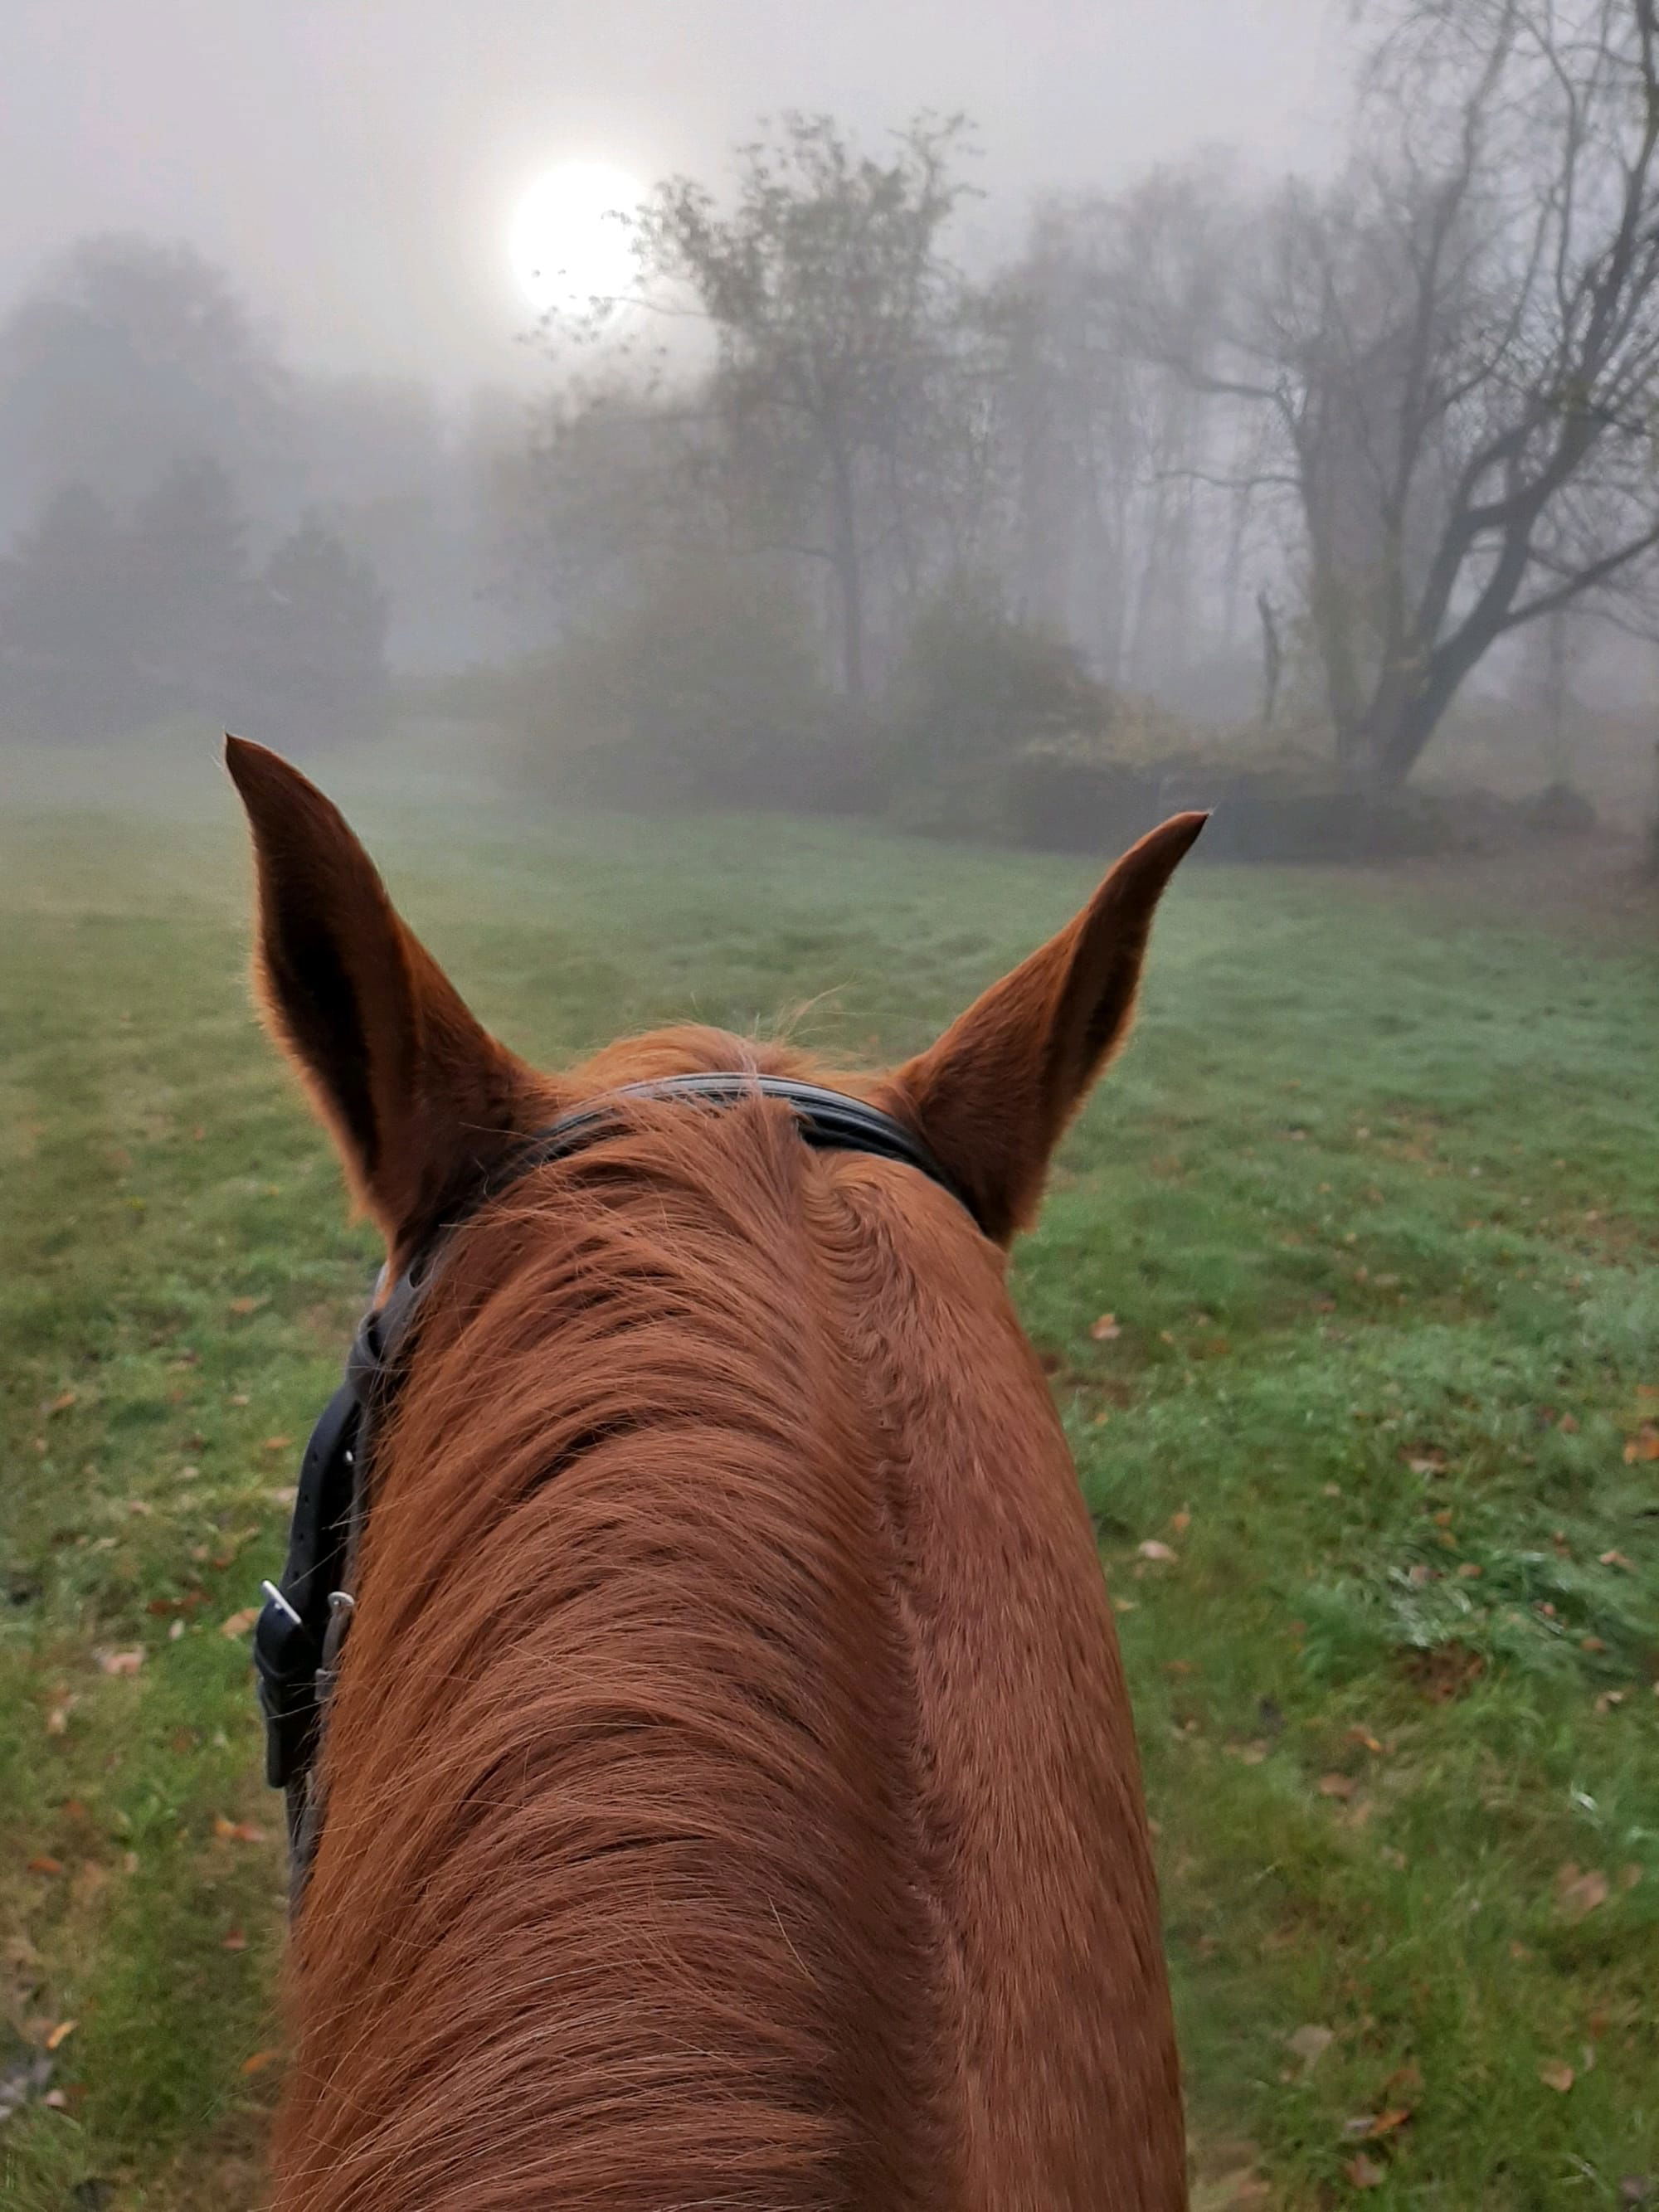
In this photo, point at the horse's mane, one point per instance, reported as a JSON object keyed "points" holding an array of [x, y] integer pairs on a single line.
{"points": [[624, 1839]]}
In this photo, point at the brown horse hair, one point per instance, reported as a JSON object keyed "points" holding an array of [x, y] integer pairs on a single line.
{"points": [[733, 1798]]}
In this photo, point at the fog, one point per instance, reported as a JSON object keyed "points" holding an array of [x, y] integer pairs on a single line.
{"points": [[355, 165], [992, 419]]}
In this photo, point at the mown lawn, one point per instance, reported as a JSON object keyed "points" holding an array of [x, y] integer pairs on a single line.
{"points": [[1347, 1286]]}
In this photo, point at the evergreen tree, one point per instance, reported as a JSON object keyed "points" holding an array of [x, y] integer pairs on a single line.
{"points": [[322, 633], [67, 662], [194, 596]]}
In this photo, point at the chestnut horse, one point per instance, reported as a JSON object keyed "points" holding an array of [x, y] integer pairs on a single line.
{"points": [[732, 1797]]}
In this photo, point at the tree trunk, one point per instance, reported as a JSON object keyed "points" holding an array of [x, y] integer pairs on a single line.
{"points": [[848, 570]]}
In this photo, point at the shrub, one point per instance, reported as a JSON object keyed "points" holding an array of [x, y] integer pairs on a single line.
{"points": [[975, 689], [703, 689]]}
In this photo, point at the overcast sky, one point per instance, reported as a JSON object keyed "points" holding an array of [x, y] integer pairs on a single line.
{"points": [[356, 162]]}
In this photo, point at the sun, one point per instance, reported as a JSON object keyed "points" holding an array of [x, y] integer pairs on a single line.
{"points": [[571, 242]]}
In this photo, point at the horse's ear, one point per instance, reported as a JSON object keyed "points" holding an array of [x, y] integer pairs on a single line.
{"points": [[417, 1094], [993, 1096]]}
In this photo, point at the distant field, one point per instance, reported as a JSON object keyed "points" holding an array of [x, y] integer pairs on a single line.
{"points": [[1374, 1205]]}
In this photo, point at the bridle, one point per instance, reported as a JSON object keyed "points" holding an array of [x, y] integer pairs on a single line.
{"points": [[305, 1616]]}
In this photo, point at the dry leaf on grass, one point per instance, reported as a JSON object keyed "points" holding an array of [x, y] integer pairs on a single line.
{"points": [[1337, 1785], [234, 1941], [239, 1623], [1578, 1894], [120, 1662], [236, 1831], [1364, 2173], [61, 2034], [1151, 1549], [1557, 2076], [1310, 2044], [1370, 2127], [245, 1305], [1229, 2193], [43, 1864], [259, 2062], [1106, 1330]]}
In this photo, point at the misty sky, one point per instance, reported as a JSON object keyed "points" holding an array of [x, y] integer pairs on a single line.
{"points": [[356, 162]]}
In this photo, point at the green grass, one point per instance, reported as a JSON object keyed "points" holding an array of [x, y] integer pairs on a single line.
{"points": [[1373, 1200]]}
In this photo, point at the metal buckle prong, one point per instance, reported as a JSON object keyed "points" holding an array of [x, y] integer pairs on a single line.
{"points": [[275, 1597]]}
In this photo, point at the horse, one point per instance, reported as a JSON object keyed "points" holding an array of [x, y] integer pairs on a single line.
{"points": [[728, 1796]]}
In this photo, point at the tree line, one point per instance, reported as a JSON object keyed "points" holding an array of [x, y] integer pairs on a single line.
{"points": [[189, 526], [112, 622], [1319, 447]]}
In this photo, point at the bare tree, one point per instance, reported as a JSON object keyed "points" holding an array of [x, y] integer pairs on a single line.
{"points": [[1457, 348]]}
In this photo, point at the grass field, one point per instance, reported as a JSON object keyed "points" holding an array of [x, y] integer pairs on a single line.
{"points": [[1373, 1203]]}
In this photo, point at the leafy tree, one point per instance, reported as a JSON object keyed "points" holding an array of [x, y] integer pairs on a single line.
{"points": [[127, 355], [833, 309]]}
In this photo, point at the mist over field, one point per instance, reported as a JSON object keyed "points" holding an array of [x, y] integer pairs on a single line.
{"points": [[750, 509]]}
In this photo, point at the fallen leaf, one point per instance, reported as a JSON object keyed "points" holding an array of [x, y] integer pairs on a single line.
{"points": [[1364, 1736], [259, 2062], [1644, 1445], [1629, 1876], [239, 1623], [1151, 1549], [1244, 2186], [55, 2100], [1637, 2189], [1106, 1329], [44, 1864], [1181, 1522], [1364, 2173], [277, 1443], [246, 1305], [1310, 2044], [1247, 1755], [234, 1941], [1337, 1785], [1557, 2076], [1618, 1560], [237, 1831], [120, 1662], [1370, 2127], [61, 2034], [1578, 1892], [61, 1403]]}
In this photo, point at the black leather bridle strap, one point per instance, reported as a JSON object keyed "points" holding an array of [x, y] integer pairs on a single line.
{"points": [[830, 1121]]}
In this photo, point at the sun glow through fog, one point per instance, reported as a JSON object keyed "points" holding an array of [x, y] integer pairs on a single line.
{"points": [[570, 242]]}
